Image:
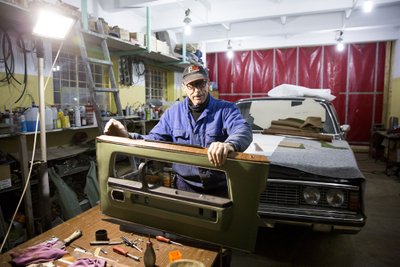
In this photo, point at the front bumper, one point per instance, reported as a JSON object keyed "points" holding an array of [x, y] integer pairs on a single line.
{"points": [[318, 220]]}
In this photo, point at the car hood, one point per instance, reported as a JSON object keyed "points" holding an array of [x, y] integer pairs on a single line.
{"points": [[332, 159]]}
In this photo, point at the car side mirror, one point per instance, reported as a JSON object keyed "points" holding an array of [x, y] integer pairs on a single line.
{"points": [[345, 128]]}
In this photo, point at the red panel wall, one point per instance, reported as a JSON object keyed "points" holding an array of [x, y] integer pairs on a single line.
{"points": [[211, 60], [310, 60], [263, 63], [224, 73], [335, 69], [285, 66], [362, 67], [242, 72], [355, 76], [360, 109]]}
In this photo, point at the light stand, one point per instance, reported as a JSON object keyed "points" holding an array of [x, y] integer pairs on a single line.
{"points": [[44, 176], [47, 25]]}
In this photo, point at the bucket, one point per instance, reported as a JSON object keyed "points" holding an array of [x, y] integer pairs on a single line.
{"points": [[30, 117]]}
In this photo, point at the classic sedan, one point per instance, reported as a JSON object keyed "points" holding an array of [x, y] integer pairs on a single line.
{"points": [[313, 179]]}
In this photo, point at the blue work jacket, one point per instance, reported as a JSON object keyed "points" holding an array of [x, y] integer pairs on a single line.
{"points": [[220, 121]]}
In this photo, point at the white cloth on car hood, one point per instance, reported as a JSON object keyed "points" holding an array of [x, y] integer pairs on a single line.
{"points": [[285, 90]]}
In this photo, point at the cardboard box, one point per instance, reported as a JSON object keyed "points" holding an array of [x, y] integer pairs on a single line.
{"points": [[5, 176], [137, 38], [153, 43], [124, 34], [162, 47]]}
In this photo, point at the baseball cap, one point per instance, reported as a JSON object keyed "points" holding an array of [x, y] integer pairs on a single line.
{"points": [[193, 73]]}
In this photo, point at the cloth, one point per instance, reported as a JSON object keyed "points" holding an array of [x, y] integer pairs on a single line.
{"points": [[43, 252], [220, 121], [88, 262]]}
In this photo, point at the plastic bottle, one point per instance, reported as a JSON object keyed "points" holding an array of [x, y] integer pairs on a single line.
{"points": [[89, 110], [22, 121], [30, 116], [149, 255], [49, 118], [77, 118], [55, 116], [83, 115]]}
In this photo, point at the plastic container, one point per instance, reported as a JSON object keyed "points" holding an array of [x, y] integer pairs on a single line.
{"points": [[49, 118], [22, 121], [30, 117]]}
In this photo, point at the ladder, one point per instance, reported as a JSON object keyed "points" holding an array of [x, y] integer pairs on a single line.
{"points": [[89, 77]]}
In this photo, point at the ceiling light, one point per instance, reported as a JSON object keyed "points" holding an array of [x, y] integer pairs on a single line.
{"points": [[339, 40], [187, 20], [229, 51], [50, 24], [368, 5]]}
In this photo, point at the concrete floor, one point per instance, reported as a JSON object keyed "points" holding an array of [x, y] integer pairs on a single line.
{"points": [[378, 243]]}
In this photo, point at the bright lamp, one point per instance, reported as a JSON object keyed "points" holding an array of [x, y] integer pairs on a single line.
{"points": [[52, 25]]}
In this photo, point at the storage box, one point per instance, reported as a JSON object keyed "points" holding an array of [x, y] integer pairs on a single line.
{"points": [[153, 43], [5, 176], [124, 34], [137, 38], [162, 47]]}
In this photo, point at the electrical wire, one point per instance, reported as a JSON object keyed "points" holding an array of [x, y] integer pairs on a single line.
{"points": [[27, 183]]}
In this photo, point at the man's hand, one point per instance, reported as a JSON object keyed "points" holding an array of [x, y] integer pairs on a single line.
{"points": [[115, 128], [218, 152]]}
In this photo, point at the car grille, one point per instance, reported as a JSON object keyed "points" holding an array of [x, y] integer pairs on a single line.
{"points": [[291, 195]]}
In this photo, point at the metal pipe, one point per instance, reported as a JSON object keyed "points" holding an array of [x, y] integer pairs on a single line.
{"points": [[148, 28]]}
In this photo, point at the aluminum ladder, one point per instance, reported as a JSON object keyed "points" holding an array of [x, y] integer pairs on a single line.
{"points": [[89, 77]]}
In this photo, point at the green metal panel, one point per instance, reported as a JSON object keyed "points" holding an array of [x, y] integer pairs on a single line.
{"points": [[231, 222]]}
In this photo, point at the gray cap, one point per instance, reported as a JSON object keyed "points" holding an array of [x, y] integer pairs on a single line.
{"points": [[193, 73]]}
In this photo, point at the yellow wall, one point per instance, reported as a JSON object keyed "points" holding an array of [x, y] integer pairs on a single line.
{"points": [[10, 93], [394, 110]]}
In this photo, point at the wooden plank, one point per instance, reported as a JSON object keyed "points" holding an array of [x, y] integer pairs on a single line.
{"points": [[176, 147]]}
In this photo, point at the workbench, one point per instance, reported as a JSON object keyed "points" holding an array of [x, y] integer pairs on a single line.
{"points": [[92, 220]]}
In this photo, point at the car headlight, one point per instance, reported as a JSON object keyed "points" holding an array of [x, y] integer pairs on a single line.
{"points": [[335, 197], [311, 195]]}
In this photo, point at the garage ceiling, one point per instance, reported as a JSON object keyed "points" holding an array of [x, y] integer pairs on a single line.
{"points": [[257, 24]]}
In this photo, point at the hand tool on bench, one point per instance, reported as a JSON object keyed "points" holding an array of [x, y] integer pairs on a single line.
{"points": [[130, 243], [121, 251], [166, 240]]}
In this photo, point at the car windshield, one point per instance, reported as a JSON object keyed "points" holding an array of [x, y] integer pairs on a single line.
{"points": [[261, 113]]}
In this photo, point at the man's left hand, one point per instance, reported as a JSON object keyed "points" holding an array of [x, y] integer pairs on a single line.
{"points": [[218, 152]]}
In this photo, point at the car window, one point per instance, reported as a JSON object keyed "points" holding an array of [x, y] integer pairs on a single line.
{"points": [[260, 113]]}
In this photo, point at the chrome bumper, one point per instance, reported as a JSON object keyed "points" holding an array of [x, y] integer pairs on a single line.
{"points": [[318, 220]]}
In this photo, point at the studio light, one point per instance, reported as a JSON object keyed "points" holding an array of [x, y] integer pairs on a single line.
{"points": [[187, 20], [339, 39], [368, 6], [50, 24], [229, 51]]}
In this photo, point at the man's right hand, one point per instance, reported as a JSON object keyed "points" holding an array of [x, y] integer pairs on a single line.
{"points": [[115, 128]]}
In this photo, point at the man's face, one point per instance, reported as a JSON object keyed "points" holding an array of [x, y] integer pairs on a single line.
{"points": [[197, 91]]}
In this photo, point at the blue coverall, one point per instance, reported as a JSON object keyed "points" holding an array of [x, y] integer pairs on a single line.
{"points": [[220, 121]]}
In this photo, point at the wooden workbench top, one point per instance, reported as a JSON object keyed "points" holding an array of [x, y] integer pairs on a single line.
{"points": [[92, 220]]}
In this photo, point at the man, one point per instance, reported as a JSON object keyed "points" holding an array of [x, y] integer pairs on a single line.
{"points": [[198, 120]]}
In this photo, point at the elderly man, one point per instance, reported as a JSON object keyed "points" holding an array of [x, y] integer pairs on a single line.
{"points": [[198, 120]]}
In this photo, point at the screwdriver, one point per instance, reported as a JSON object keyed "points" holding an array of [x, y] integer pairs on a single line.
{"points": [[166, 240], [121, 251]]}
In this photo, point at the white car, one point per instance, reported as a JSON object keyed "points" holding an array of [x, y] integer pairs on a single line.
{"points": [[313, 179]]}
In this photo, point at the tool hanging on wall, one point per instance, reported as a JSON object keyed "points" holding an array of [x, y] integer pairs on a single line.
{"points": [[93, 90]]}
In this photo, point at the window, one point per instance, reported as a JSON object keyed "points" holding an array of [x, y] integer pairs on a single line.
{"points": [[156, 83], [70, 85]]}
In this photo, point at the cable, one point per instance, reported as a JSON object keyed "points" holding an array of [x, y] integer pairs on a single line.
{"points": [[27, 183]]}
